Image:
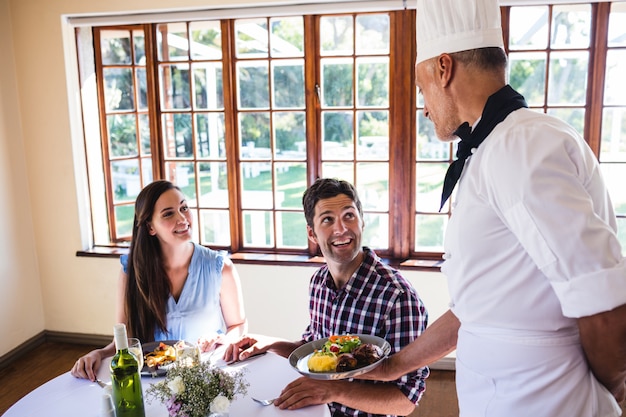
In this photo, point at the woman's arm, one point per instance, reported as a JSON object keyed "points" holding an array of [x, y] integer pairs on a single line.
{"points": [[231, 301]]}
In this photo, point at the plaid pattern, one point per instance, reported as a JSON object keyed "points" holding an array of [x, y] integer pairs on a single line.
{"points": [[377, 300]]}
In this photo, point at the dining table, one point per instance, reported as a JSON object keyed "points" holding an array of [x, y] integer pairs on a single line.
{"points": [[67, 396]]}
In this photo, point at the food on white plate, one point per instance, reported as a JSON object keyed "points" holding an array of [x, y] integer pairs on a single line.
{"points": [[346, 362], [322, 362], [163, 354], [367, 354], [343, 353]]}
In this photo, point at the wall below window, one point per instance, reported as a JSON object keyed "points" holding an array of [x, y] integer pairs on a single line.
{"points": [[276, 297]]}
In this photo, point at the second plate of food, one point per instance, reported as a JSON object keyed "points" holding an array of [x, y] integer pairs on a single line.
{"points": [[158, 357], [299, 358]]}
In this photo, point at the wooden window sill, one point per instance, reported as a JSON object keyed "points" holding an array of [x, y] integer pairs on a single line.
{"points": [[272, 258]]}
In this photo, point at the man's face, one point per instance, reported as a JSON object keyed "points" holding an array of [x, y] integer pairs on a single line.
{"points": [[337, 229], [438, 105]]}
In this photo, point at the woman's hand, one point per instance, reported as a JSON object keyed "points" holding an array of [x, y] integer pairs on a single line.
{"points": [[210, 342], [86, 366]]}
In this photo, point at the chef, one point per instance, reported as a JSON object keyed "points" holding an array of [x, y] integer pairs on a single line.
{"points": [[537, 278]]}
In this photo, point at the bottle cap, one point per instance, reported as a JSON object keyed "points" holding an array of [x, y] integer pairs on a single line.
{"points": [[119, 333]]}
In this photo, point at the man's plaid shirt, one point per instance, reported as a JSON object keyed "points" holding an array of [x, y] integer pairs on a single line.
{"points": [[377, 300]]}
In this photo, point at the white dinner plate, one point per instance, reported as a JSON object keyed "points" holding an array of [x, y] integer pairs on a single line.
{"points": [[299, 358]]}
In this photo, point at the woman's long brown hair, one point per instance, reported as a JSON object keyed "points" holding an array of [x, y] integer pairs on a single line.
{"points": [[148, 288]]}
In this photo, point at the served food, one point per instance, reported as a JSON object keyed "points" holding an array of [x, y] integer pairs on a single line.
{"points": [[187, 354], [367, 353], [162, 355], [344, 353], [322, 362]]}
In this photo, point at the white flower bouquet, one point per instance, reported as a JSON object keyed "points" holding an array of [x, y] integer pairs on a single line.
{"points": [[196, 391]]}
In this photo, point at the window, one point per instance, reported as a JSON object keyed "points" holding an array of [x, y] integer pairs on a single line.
{"points": [[125, 121], [564, 63], [549, 58], [271, 122], [243, 114]]}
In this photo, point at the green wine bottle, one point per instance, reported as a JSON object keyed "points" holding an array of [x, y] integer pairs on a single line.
{"points": [[125, 378]]}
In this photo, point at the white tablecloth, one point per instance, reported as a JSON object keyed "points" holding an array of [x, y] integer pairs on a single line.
{"points": [[66, 396]]}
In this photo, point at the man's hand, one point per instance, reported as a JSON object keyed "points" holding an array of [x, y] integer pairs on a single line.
{"points": [[370, 398], [304, 392], [242, 349]]}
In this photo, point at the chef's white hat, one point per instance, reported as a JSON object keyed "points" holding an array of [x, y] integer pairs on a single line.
{"points": [[447, 26]]}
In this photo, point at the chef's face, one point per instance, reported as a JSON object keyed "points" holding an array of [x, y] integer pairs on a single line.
{"points": [[438, 105]]}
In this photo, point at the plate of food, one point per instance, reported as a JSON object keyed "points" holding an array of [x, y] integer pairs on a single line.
{"points": [[158, 357], [339, 356]]}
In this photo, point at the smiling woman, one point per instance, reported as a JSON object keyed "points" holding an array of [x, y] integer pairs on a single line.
{"points": [[170, 287]]}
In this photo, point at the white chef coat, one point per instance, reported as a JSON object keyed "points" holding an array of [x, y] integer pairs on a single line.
{"points": [[531, 246]]}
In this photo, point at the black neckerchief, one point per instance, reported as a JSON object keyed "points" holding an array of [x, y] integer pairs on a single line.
{"points": [[499, 105]]}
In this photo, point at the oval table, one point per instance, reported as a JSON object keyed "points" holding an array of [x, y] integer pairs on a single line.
{"points": [[66, 396]]}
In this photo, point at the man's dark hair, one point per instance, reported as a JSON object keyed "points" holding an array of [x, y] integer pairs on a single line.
{"points": [[324, 188], [489, 59]]}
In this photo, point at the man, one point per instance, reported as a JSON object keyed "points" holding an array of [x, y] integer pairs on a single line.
{"points": [[354, 293], [536, 275]]}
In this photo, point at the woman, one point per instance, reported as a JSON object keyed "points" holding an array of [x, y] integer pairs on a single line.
{"points": [[169, 286]]}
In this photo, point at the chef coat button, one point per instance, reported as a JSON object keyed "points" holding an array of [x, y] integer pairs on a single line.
{"points": [[454, 205], [451, 304], [473, 150], [446, 256]]}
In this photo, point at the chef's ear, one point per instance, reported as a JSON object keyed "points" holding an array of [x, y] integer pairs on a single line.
{"points": [[150, 229], [444, 69]]}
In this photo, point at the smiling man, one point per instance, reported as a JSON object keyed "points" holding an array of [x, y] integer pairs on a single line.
{"points": [[354, 293], [334, 219]]}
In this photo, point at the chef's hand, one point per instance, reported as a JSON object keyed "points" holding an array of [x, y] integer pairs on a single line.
{"points": [[620, 394]]}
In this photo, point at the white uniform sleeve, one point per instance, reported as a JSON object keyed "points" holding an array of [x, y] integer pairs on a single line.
{"points": [[552, 197]]}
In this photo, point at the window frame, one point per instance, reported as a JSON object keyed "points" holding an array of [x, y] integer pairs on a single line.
{"points": [[402, 125]]}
